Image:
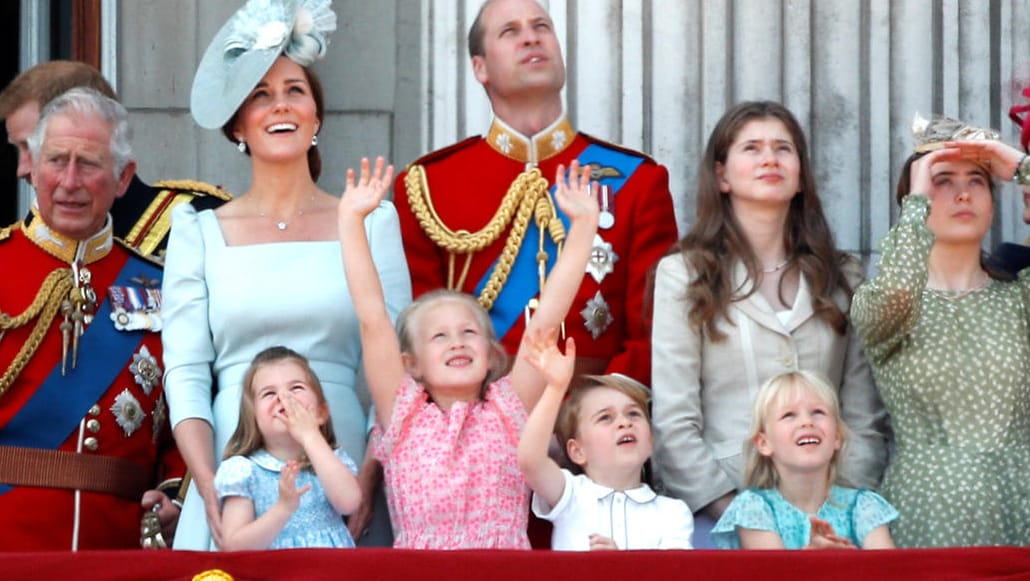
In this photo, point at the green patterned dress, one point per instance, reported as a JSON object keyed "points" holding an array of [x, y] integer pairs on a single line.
{"points": [[954, 372]]}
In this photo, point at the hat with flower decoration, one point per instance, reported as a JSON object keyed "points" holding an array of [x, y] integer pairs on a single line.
{"points": [[247, 46], [931, 134]]}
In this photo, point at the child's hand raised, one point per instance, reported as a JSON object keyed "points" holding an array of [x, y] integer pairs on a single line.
{"points": [[541, 351], [362, 196], [576, 193], [289, 494]]}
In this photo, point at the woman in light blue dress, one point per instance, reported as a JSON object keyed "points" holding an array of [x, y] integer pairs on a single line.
{"points": [[265, 268]]}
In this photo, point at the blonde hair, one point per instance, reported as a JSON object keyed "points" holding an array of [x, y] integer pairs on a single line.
{"points": [[407, 321], [247, 438], [567, 425], [760, 471]]}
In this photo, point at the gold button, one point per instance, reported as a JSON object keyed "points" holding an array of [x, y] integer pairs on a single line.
{"points": [[91, 444], [94, 411], [788, 361], [93, 426]]}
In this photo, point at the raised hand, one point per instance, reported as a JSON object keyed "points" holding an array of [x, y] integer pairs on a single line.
{"points": [[363, 193], [1001, 158], [289, 494], [540, 349], [575, 192]]}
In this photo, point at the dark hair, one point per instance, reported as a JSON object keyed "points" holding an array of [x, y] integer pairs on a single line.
{"points": [[46, 81], [247, 438], [314, 158], [715, 241], [476, 32], [904, 188]]}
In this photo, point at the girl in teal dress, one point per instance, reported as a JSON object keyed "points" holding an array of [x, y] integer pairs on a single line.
{"points": [[950, 347], [793, 500]]}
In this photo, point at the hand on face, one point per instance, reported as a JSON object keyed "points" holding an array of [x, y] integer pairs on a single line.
{"points": [[362, 196], [289, 494], [300, 421], [576, 193], [541, 351]]}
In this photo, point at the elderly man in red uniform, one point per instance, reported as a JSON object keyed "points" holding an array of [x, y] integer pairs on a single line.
{"points": [[143, 217], [84, 440], [477, 216]]}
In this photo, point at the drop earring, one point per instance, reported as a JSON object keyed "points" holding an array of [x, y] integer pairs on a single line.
{"points": [[241, 146], [314, 140]]}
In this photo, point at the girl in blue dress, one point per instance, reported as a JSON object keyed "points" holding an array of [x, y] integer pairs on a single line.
{"points": [[793, 500], [283, 482]]}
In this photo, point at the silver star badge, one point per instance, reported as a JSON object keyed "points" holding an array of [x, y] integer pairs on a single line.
{"points": [[145, 370], [127, 412], [602, 259], [597, 316]]}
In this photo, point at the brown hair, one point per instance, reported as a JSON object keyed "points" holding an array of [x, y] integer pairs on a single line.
{"points": [[759, 470], [715, 241], [407, 320], [318, 94], [247, 438], [476, 32], [567, 425], [904, 188], [46, 81]]}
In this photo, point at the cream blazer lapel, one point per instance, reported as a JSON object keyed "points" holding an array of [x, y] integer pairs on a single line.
{"points": [[756, 308]]}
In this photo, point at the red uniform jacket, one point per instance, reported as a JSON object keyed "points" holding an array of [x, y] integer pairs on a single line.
{"points": [[467, 182], [126, 420]]}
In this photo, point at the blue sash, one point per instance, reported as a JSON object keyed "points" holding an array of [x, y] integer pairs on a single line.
{"points": [[523, 281], [60, 403]]}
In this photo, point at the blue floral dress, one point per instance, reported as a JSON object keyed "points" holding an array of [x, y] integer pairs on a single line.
{"points": [[315, 523], [853, 513]]}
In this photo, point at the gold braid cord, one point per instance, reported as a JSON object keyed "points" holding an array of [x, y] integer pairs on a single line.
{"points": [[520, 203], [43, 308]]}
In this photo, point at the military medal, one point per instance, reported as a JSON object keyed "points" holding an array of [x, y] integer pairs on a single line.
{"points": [[127, 412], [145, 370], [135, 308], [606, 219], [597, 316], [602, 259]]}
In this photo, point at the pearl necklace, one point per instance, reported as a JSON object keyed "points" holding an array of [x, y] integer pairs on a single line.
{"points": [[777, 267], [283, 223], [958, 294]]}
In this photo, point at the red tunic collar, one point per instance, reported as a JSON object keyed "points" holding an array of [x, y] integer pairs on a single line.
{"points": [[66, 249], [531, 149]]}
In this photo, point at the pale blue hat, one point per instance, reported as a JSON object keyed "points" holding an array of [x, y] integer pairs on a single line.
{"points": [[247, 46]]}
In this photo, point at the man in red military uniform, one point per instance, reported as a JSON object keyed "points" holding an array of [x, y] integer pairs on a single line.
{"points": [[471, 214], [143, 217], [84, 440]]}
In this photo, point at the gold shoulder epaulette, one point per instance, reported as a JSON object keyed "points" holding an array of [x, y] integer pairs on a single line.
{"points": [[194, 186], [5, 232]]}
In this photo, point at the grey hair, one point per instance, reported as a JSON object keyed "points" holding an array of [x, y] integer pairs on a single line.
{"points": [[83, 101]]}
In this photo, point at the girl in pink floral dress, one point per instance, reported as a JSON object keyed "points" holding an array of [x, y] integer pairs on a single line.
{"points": [[448, 423]]}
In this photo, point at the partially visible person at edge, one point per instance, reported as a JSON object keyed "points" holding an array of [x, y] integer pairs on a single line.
{"points": [[757, 287], [265, 269], [85, 447], [1011, 257], [950, 347], [142, 217], [489, 186]]}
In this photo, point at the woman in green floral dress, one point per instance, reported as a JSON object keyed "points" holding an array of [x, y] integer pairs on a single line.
{"points": [[950, 348]]}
